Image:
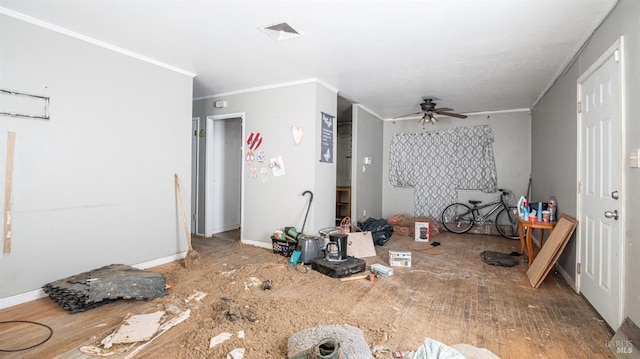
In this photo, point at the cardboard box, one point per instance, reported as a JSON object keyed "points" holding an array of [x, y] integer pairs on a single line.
{"points": [[421, 233], [382, 270], [399, 259]]}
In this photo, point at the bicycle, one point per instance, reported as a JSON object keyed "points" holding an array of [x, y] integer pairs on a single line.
{"points": [[459, 218]]}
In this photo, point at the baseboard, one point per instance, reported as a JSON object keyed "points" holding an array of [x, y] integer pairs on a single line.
{"points": [[160, 261], [570, 281], [22, 298], [228, 228], [258, 243], [39, 293]]}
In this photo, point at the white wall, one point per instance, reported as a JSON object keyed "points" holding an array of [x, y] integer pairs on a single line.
{"points": [[555, 125], [94, 184], [367, 185], [278, 201], [512, 151]]}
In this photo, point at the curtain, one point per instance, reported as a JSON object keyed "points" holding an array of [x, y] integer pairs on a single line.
{"points": [[438, 163]]}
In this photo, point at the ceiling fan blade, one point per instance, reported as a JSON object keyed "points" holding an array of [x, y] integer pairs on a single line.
{"points": [[443, 109], [451, 114], [411, 114]]}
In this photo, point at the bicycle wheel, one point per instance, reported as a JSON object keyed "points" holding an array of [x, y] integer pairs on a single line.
{"points": [[458, 218], [507, 223]]}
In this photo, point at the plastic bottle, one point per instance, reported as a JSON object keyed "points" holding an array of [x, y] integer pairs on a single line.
{"points": [[553, 207], [539, 212], [526, 210]]}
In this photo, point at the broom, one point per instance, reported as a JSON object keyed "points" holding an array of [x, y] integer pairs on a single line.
{"points": [[192, 255]]}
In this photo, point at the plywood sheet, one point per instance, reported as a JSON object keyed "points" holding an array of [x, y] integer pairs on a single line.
{"points": [[551, 250]]}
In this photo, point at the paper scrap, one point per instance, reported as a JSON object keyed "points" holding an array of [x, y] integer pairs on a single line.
{"points": [[220, 338]]}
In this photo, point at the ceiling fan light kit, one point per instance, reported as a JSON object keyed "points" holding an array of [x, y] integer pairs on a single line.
{"points": [[429, 111]]}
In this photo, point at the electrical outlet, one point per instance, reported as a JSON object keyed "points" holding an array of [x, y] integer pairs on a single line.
{"points": [[634, 158]]}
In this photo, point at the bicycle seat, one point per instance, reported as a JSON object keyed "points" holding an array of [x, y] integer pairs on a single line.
{"points": [[474, 201]]}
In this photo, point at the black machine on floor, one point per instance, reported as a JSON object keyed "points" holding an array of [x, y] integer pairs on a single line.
{"points": [[342, 269]]}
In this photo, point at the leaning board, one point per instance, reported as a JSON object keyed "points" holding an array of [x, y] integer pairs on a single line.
{"points": [[360, 245], [551, 250]]}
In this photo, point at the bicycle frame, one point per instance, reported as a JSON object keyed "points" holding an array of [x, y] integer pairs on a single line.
{"points": [[460, 217], [498, 205]]}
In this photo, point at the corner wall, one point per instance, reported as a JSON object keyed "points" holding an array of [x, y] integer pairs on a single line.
{"points": [[277, 201], [556, 116], [367, 137], [94, 184], [512, 152]]}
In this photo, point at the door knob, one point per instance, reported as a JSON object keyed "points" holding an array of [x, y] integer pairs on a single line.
{"points": [[615, 195], [612, 214]]}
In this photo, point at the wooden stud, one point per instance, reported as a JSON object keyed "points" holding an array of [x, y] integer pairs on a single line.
{"points": [[8, 185]]}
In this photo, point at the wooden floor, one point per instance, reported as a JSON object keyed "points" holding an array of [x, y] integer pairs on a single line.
{"points": [[452, 297]]}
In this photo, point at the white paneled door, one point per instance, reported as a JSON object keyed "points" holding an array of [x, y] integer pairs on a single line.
{"points": [[600, 184]]}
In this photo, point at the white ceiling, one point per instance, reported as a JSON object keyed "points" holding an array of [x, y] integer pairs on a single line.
{"points": [[473, 55]]}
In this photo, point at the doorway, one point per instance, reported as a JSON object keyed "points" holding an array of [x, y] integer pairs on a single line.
{"points": [[224, 177], [600, 196]]}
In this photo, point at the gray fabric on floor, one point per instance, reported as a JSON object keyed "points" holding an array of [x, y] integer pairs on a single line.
{"points": [[498, 259], [433, 349], [351, 340]]}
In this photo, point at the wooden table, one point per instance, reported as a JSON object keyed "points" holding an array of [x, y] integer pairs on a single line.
{"points": [[525, 239]]}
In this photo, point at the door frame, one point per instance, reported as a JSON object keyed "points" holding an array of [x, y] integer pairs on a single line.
{"points": [[208, 194], [618, 46], [195, 171]]}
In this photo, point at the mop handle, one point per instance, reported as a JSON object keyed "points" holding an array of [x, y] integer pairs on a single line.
{"points": [[305, 216]]}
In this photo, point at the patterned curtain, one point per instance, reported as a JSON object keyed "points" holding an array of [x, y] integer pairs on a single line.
{"points": [[438, 163]]}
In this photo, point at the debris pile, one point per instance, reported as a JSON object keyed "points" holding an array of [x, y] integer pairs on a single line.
{"points": [[104, 285]]}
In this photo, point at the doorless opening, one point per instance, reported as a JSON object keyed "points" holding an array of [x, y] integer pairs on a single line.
{"points": [[223, 173]]}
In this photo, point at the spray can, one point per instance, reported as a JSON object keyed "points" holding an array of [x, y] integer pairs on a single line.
{"points": [[553, 207]]}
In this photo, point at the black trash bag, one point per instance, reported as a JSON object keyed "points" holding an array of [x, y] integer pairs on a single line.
{"points": [[380, 229]]}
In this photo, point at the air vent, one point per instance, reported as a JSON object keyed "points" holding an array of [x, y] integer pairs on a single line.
{"points": [[279, 32]]}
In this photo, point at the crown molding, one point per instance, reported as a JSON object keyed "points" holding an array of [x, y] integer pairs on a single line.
{"points": [[45, 25]]}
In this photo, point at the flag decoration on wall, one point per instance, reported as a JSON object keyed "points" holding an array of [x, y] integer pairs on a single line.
{"points": [[254, 141]]}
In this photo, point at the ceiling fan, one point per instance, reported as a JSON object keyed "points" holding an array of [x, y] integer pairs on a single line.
{"points": [[429, 111]]}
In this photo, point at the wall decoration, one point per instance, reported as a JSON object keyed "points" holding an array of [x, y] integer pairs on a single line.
{"points": [[326, 138], [254, 141], [250, 157], [253, 172], [297, 132], [264, 174], [277, 166], [261, 156]]}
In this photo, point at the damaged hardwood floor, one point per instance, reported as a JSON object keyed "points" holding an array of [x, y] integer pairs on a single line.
{"points": [[448, 294]]}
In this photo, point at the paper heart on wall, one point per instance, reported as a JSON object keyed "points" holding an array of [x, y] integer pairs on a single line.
{"points": [[297, 133]]}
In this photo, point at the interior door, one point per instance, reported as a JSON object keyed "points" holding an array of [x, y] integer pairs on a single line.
{"points": [[600, 187]]}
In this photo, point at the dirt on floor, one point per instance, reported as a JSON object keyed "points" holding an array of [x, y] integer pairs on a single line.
{"points": [[260, 304]]}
